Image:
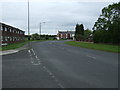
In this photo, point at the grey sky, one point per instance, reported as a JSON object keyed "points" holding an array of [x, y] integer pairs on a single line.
{"points": [[57, 15]]}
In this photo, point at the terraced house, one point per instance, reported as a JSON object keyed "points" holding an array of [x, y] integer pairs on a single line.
{"points": [[10, 34]]}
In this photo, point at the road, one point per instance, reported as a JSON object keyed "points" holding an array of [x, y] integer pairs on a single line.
{"points": [[53, 64]]}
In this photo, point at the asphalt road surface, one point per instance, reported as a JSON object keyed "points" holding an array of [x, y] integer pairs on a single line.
{"points": [[53, 64]]}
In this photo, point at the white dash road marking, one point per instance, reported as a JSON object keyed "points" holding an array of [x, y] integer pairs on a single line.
{"points": [[60, 85], [48, 71], [36, 64], [33, 51], [28, 51], [91, 56], [89, 62], [36, 57], [53, 76]]}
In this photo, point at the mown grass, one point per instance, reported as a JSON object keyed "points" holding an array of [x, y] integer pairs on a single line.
{"points": [[102, 47], [16, 45], [13, 46]]}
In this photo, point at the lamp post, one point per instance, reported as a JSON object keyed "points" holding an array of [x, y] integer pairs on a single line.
{"points": [[40, 28], [28, 23]]}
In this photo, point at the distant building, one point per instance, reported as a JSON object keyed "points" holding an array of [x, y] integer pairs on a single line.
{"points": [[10, 34], [65, 35]]}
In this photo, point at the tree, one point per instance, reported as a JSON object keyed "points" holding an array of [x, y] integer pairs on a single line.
{"points": [[107, 27], [87, 34], [46, 37], [35, 36], [79, 32], [81, 29]]}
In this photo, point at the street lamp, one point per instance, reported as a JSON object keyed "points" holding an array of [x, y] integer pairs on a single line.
{"points": [[28, 23], [40, 28]]}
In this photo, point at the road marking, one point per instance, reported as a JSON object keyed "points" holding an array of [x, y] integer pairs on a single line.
{"points": [[36, 57], [89, 62], [33, 51], [36, 64], [29, 51], [91, 56], [53, 77], [60, 85], [48, 71]]}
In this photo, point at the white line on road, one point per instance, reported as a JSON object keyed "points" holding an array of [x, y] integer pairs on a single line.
{"points": [[33, 51], [36, 57], [90, 62], [29, 51], [34, 62], [91, 56], [53, 76]]}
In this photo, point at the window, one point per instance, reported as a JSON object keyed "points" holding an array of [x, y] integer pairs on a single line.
{"points": [[61, 35], [66, 35], [10, 29], [10, 38], [5, 28], [2, 27], [6, 38]]}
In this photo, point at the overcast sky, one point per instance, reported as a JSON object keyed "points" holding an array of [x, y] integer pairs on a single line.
{"points": [[58, 14]]}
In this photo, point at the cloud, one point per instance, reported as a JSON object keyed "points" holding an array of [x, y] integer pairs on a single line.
{"points": [[57, 15], [63, 1]]}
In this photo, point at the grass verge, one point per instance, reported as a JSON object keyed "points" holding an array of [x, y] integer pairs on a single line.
{"points": [[102, 47], [16, 45], [13, 46]]}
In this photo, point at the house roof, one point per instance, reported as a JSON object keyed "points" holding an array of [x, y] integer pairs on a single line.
{"points": [[11, 26]]}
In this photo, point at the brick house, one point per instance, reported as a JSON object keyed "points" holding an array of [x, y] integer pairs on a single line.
{"points": [[65, 35], [10, 34]]}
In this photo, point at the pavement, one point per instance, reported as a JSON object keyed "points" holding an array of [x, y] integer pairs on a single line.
{"points": [[53, 64]]}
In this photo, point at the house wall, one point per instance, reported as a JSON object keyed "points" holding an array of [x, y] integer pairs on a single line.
{"points": [[65, 35], [68, 35], [9, 34]]}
